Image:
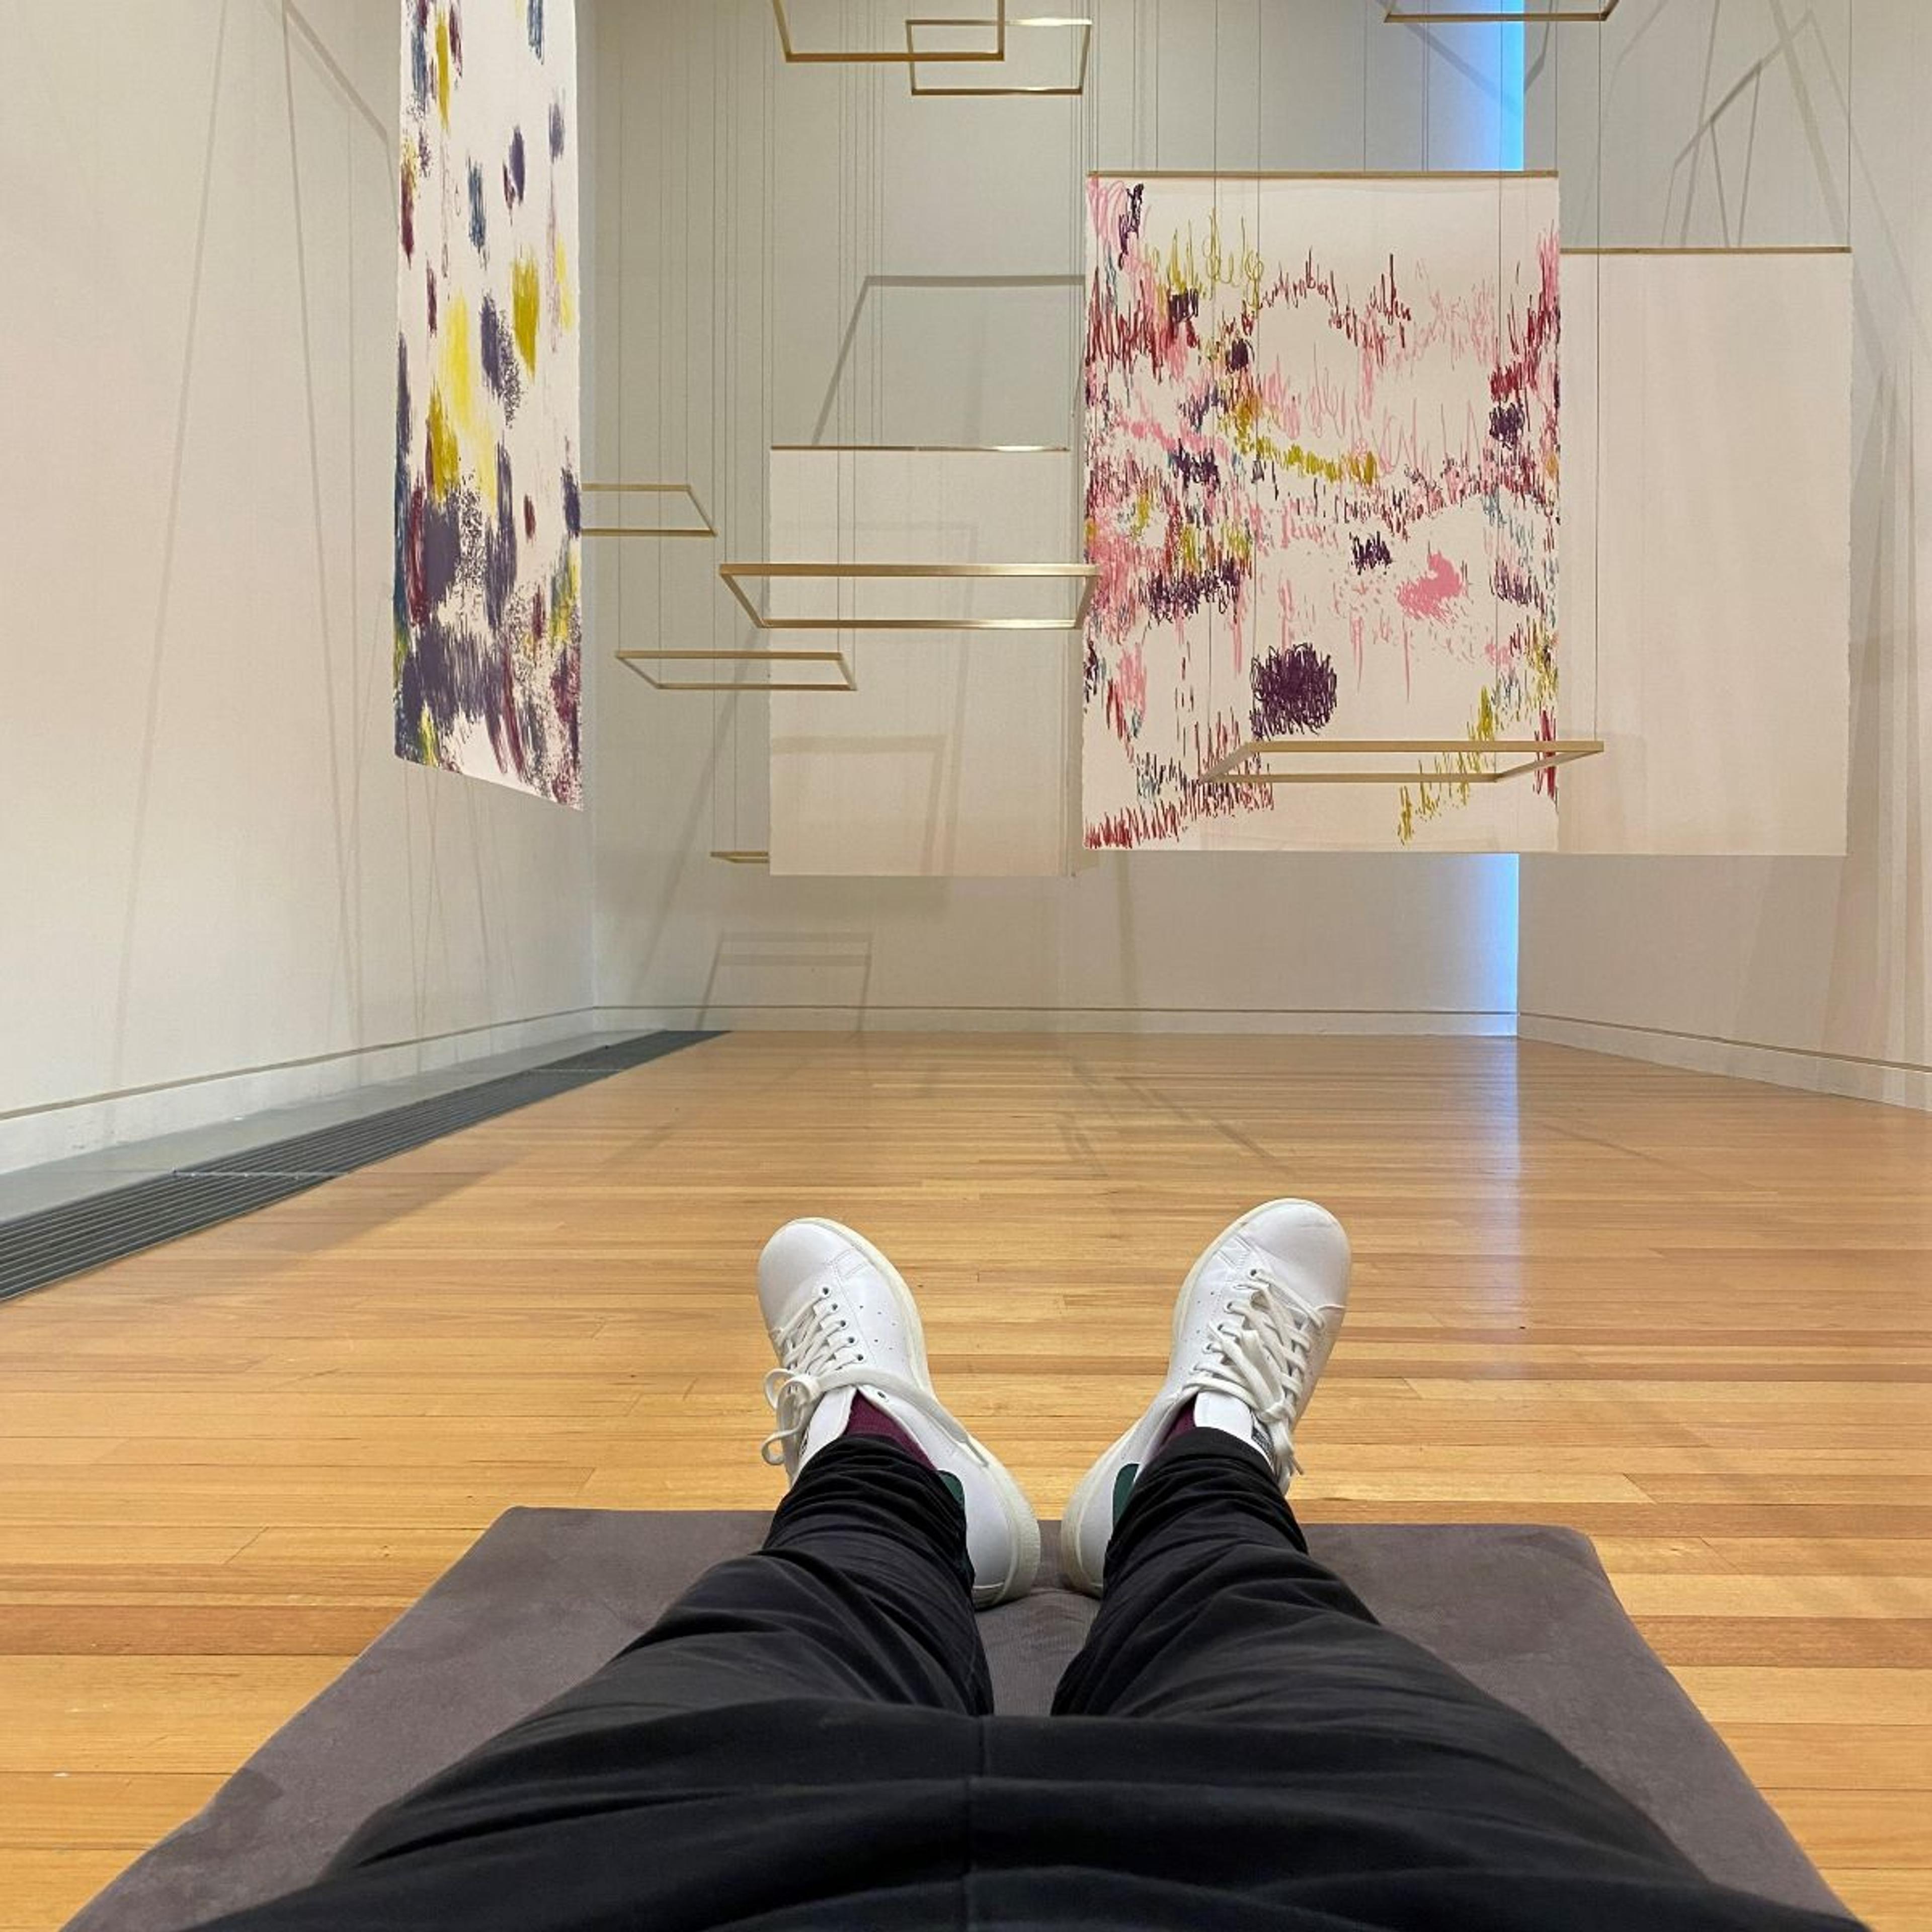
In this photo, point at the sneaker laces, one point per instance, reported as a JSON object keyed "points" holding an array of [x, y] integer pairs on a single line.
{"points": [[820, 1350], [1258, 1352]]}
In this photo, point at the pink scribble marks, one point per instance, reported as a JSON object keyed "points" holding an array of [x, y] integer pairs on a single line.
{"points": [[1430, 596], [1255, 430]]}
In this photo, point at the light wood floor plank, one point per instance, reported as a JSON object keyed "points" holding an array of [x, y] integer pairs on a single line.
{"points": [[1690, 1316]]}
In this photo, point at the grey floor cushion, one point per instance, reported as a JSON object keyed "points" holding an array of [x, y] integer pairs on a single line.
{"points": [[548, 1595]]}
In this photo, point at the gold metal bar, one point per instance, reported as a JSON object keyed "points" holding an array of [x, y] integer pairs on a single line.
{"points": [[746, 857], [1797, 248], [636, 660], [1323, 174], [1037, 90], [1526, 17], [703, 527], [1546, 755], [882, 56], [1084, 575], [903, 570], [1318, 748], [669, 656]]}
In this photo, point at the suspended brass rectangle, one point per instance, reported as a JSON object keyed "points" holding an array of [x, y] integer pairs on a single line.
{"points": [[1323, 174], [1038, 91], [1754, 248], [886, 56], [1533, 754], [1082, 574], [930, 449], [702, 528], [636, 660], [1525, 16]]}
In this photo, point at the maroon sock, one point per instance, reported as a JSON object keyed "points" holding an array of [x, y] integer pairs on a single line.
{"points": [[1183, 1420], [868, 1419]]}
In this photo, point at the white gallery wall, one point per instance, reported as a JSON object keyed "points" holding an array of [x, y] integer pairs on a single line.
{"points": [[1810, 971], [792, 255], [221, 889]]}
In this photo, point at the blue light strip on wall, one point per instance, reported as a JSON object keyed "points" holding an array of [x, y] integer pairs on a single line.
{"points": [[1510, 57], [1505, 896]]}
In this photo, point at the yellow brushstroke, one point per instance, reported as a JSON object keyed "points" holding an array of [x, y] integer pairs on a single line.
{"points": [[566, 303], [472, 438], [563, 598], [443, 65], [1217, 265], [426, 737], [523, 307], [446, 463]]}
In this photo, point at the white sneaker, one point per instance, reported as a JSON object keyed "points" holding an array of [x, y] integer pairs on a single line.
{"points": [[843, 1323], [1257, 1318]]}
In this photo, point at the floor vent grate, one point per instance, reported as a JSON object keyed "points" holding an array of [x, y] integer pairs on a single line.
{"points": [[78, 1235]]}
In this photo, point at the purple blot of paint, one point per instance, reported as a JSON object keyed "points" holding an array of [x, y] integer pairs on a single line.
{"points": [[1294, 690]]}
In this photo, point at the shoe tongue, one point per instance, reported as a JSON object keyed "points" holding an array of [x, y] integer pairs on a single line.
{"points": [[828, 1421]]}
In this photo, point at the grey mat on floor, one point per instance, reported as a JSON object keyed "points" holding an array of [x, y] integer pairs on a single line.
{"points": [[548, 1595]]}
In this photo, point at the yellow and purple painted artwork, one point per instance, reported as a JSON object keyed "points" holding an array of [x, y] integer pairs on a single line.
{"points": [[1322, 481], [488, 606]]}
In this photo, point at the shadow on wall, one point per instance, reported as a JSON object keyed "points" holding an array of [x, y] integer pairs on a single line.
{"points": [[873, 283], [776, 969]]}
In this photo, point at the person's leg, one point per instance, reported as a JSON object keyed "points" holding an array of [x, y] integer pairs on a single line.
{"points": [[861, 1594], [847, 1648], [1396, 1790]]}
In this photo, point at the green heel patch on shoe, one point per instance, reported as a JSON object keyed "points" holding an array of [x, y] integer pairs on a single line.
{"points": [[1124, 1487], [953, 1483]]}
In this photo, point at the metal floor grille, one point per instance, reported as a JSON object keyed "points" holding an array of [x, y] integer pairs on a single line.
{"points": [[43, 1247]]}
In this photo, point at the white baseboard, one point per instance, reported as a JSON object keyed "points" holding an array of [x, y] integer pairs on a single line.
{"points": [[94, 1121], [1048, 1019], [1897, 1084]]}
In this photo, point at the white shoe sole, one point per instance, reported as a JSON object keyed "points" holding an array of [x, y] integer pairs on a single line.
{"points": [[1022, 1524], [1096, 1488]]}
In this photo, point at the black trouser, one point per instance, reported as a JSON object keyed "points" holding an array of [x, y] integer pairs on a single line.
{"points": [[805, 1740]]}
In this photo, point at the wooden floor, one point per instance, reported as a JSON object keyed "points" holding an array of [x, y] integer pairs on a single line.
{"points": [[1691, 1317]]}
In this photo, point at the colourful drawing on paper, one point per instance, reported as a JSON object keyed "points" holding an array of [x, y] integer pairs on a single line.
{"points": [[1322, 490], [488, 615]]}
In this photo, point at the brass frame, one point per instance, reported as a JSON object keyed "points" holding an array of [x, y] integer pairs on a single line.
{"points": [[1324, 174], [635, 660], [1083, 573], [932, 449], [741, 856], [706, 528], [1552, 16], [1546, 755], [1742, 248], [1037, 91], [883, 56]]}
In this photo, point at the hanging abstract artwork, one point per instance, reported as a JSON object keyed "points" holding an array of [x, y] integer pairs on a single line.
{"points": [[488, 621], [1321, 485]]}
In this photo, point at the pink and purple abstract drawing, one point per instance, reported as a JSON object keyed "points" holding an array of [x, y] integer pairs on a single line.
{"points": [[488, 623], [1321, 479]]}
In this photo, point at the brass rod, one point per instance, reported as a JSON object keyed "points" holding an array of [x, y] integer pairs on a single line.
{"points": [[1324, 174], [1795, 248], [879, 56]]}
